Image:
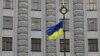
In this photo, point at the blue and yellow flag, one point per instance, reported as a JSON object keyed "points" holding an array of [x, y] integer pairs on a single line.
{"points": [[55, 31]]}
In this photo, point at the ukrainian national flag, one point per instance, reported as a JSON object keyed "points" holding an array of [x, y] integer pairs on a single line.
{"points": [[55, 31]]}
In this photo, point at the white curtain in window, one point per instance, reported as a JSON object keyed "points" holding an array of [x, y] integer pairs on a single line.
{"points": [[36, 5], [7, 22], [92, 24], [36, 24]]}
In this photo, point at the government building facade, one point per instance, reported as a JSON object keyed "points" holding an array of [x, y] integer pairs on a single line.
{"points": [[23, 25]]}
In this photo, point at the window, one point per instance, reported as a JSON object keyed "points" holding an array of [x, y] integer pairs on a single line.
{"points": [[92, 24], [91, 5], [66, 24], [36, 24], [7, 44], [8, 4], [66, 3], [92, 45], [8, 22], [36, 5], [35, 44], [62, 45]]}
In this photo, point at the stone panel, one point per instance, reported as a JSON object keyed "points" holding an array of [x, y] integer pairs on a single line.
{"points": [[78, 31], [22, 49], [22, 36], [78, 25], [80, 54], [51, 43], [79, 37], [23, 5], [50, 6], [22, 18], [78, 6], [50, 1], [51, 49], [51, 54], [22, 30], [78, 12], [23, 0], [79, 49], [78, 2], [79, 43], [23, 11], [78, 18], [22, 54], [22, 42], [51, 18], [51, 12], [22, 23], [49, 24]]}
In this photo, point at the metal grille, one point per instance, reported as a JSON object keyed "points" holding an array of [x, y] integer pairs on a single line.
{"points": [[92, 45], [92, 24], [7, 44], [35, 44], [91, 5], [36, 5], [62, 45]]}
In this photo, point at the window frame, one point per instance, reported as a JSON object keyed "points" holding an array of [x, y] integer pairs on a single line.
{"points": [[34, 41], [92, 5], [8, 17], [66, 3], [39, 24], [66, 30], [95, 24], [93, 46], [7, 46], [67, 45], [10, 4], [38, 3]]}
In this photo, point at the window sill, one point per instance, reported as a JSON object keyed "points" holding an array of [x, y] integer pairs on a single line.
{"points": [[7, 29], [35, 51], [35, 10], [7, 51], [35, 30], [8, 8], [92, 30], [91, 10], [63, 51], [93, 51]]}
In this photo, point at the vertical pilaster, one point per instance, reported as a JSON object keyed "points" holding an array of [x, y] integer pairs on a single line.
{"points": [[78, 16], [50, 21], [22, 30], [1, 21]]}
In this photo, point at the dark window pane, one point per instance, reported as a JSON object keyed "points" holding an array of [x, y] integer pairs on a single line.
{"points": [[7, 44], [92, 45], [62, 45], [35, 44]]}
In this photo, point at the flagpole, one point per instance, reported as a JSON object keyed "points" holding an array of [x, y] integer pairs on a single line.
{"points": [[64, 35], [63, 11]]}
